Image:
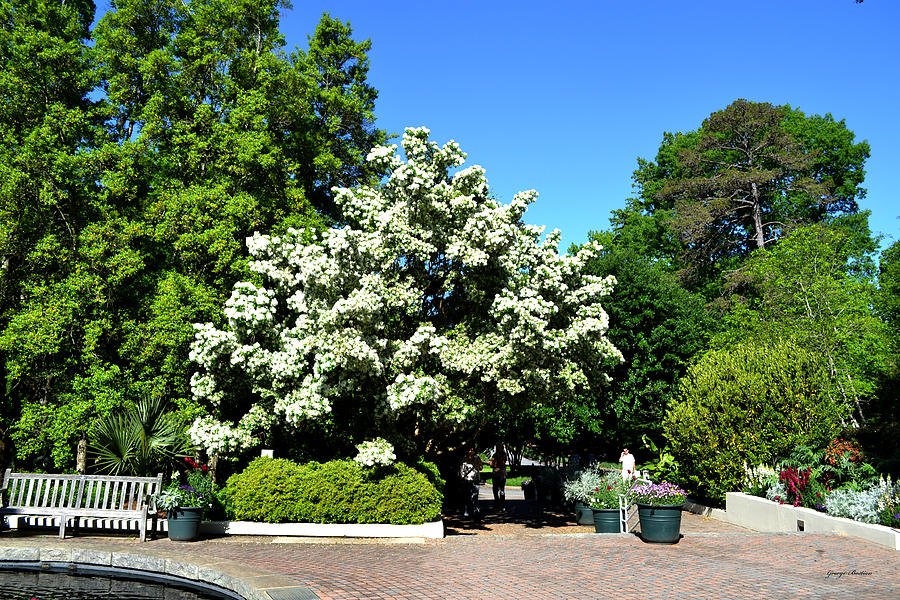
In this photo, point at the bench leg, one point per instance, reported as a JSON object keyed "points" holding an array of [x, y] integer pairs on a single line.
{"points": [[62, 527]]}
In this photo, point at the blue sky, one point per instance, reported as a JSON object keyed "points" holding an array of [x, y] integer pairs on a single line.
{"points": [[563, 97]]}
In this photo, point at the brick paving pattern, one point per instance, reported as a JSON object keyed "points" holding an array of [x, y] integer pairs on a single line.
{"points": [[538, 554], [564, 566]]}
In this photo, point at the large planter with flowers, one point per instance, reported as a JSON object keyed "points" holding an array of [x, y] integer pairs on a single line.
{"points": [[607, 520], [605, 503], [659, 510], [184, 506], [184, 523]]}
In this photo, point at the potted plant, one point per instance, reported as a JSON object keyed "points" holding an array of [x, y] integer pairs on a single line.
{"points": [[184, 507], [580, 490], [528, 488], [605, 503], [659, 510]]}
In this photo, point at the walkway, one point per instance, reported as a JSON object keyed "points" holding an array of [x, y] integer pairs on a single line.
{"points": [[536, 561]]}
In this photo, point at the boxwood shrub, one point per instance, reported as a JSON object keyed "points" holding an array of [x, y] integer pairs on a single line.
{"points": [[267, 490], [340, 491]]}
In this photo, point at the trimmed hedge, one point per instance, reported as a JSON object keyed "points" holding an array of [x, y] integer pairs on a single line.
{"points": [[278, 490]]}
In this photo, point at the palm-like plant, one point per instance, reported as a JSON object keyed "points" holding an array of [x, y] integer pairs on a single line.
{"points": [[145, 439]]}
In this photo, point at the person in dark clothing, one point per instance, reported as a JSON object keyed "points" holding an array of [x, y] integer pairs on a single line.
{"points": [[498, 477]]}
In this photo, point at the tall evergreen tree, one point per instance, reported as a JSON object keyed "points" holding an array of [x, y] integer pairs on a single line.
{"points": [[745, 179], [136, 160]]}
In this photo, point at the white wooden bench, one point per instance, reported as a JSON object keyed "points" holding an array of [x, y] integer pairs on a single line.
{"points": [[72, 497]]}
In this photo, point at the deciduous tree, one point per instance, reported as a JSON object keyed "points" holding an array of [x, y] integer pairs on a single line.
{"points": [[432, 310]]}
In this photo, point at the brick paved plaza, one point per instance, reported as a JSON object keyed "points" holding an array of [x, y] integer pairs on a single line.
{"points": [[583, 566], [536, 565], [531, 552]]}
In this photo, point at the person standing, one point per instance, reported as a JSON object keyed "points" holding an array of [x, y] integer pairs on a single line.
{"points": [[498, 477], [627, 460], [470, 471]]}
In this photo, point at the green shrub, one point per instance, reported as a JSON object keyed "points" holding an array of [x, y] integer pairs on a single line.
{"points": [[403, 497], [746, 404], [431, 471], [330, 492], [267, 490], [340, 491]]}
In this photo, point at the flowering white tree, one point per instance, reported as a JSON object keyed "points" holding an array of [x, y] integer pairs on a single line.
{"points": [[433, 306]]}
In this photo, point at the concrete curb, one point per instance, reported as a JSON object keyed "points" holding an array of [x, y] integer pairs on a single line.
{"points": [[244, 581], [341, 530], [433, 530]]}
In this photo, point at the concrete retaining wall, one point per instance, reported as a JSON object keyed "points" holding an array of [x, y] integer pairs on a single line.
{"points": [[761, 514]]}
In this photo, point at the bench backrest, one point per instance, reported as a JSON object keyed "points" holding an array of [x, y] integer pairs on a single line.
{"points": [[99, 492]]}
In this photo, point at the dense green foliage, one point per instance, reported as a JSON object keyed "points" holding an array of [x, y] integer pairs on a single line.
{"points": [[742, 181], [340, 491], [746, 404], [134, 161], [807, 289], [143, 440], [659, 327]]}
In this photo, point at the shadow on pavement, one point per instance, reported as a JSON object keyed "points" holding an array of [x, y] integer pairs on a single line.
{"points": [[519, 514]]}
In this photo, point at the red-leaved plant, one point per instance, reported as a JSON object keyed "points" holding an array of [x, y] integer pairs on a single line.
{"points": [[795, 481]]}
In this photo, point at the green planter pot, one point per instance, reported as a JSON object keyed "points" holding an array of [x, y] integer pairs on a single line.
{"points": [[584, 515], [529, 490], [184, 523], [660, 524], [606, 520]]}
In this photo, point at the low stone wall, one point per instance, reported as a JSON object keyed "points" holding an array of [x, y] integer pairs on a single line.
{"points": [[761, 514], [165, 567]]}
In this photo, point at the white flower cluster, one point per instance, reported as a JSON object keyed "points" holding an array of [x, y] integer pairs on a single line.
{"points": [[249, 304], [755, 477], [377, 452], [432, 297], [218, 439], [411, 389]]}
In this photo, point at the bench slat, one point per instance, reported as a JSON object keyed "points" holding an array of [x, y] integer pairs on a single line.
{"points": [[18, 493], [30, 492], [102, 503]]}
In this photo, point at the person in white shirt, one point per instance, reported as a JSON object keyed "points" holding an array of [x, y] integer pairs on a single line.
{"points": [[627, 460], [469, 472]]}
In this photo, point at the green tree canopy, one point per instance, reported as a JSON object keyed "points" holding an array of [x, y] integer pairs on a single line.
{"points": [[135, 159], [751, 173], [660, 326], [806, 289]]}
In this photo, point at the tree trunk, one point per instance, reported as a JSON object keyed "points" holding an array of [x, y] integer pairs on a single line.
{"points": [[81, 456], [757, 218]]}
